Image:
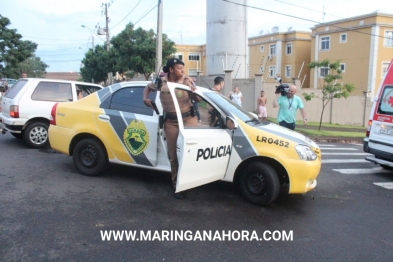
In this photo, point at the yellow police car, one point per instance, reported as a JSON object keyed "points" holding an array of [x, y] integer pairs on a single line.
{"points": [[114, 125]]}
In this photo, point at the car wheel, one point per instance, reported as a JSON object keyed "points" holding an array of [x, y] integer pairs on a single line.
{"points": [[36, 135], [90, 157], [387, 167], [17, 135], [259, 183]]}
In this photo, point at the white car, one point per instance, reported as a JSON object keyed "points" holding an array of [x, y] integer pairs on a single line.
{"points": [[26, 107]]}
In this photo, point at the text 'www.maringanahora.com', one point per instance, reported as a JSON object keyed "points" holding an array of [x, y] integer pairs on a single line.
{"points": [[189, 235]]}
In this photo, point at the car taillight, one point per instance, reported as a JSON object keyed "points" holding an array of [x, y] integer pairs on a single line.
{"points": [[52, 119], [369, 128], [14, 111]]}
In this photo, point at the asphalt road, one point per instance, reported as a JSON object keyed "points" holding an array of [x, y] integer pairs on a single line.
{"points": [[50, 212]]}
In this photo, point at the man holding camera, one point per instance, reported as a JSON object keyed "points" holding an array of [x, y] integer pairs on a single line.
{"points": [[288, 104]]}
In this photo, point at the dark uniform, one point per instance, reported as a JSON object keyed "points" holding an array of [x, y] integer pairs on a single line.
{"points": [[213, 117], [171, 125]]}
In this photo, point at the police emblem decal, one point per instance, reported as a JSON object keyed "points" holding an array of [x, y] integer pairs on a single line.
{"points": [[136, 137]]}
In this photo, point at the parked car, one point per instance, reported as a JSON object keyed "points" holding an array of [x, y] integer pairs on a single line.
{"points": [[379, 135], [26, 107], [113, 125]]}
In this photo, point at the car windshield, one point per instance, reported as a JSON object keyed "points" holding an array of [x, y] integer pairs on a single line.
{"points": [[231, 108]]}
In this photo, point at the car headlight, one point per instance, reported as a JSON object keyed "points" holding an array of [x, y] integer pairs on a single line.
{"points": [[305, 153]]}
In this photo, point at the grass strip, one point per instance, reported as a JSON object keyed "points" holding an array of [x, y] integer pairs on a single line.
{"points": [[330, 133]]}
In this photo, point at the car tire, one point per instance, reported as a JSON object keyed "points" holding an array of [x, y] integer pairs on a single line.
{"points": [[387, 167], [259, 183], [36, 135], [90, 157], [17, 135]]}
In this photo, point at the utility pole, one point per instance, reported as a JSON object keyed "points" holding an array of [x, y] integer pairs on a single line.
{"points": [[107, 28], [92, 43], [159, 38], [110, 80]]}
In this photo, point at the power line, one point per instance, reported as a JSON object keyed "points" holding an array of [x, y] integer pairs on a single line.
{"points": [[60, 61], [61, 49], [307, 8], [62, 54], [49, 39], [145, 14], [249, 6], [127, 14]]}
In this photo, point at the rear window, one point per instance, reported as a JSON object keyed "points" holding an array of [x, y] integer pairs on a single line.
{"points": [[386, 102], [87, 89], [130, 99], [14, 90], [52, 91]]}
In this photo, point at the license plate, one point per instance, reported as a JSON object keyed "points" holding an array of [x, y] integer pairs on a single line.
{"points": [[386, 131]]}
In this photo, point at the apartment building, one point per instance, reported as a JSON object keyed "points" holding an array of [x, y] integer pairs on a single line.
{"points": [[281, 53], [363, 44], [194, 58]]}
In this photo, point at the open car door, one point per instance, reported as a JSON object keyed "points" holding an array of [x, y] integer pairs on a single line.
{"points": [[203, 150]]}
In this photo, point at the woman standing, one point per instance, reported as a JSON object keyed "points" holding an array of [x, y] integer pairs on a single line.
{"points": [[174, 70]]}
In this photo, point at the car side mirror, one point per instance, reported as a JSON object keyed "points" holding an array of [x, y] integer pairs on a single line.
{"points": [[231, 123]]}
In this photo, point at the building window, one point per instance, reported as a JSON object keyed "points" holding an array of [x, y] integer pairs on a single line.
{"points": [[262, 48], [323, 71], [193, 56], [388, 38], [179, 56], [385, 66], [342, 68], [192, 72], [272, 71], [288, 71], [343, 38], [272, 50], [325, 43], [261, 69], [288, 48]]}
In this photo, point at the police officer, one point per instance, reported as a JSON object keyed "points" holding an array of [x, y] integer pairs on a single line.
{"points": [[174, 70]]}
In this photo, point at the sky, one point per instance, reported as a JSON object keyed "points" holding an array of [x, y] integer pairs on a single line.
{"points": [[55, 25]]}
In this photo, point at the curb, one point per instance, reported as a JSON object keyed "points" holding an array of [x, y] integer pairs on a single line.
{"points": [[337, 140]]}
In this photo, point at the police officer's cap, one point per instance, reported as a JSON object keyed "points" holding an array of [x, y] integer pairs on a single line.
{"points": [[171, 63]]}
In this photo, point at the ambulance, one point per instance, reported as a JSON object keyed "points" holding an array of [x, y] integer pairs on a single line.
{"points": [[379, 135], [114, 126]]}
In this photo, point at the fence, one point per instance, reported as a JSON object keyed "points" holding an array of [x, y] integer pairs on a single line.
{"points": [[354, 110]]}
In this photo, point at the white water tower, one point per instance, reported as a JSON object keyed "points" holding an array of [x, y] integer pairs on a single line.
{"points": [[226, 37]]}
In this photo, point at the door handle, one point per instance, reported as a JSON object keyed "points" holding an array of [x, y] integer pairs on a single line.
{"points": [[104, 118], [192, 142]]}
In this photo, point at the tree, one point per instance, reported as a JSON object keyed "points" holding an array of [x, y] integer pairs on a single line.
{"points": [[13, 50], [33, 66], [135, 50], [331, 89], [96, 64]]}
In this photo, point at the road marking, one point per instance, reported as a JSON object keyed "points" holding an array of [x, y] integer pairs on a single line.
{"points": [[359, 171], [345, 154], [341, 148], [327, 161], [387, 185]]}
